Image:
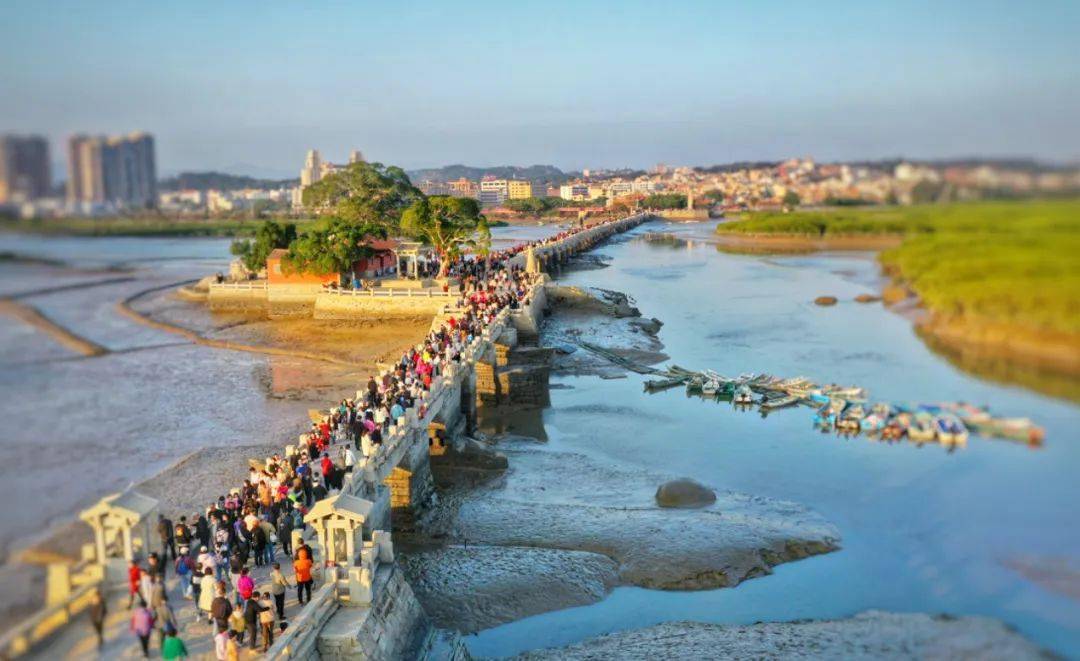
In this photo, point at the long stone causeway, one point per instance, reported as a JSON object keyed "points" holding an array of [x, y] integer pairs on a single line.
{"points": [[364, 608]]}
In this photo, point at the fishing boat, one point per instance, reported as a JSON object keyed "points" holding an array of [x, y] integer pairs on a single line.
{"points": [[921, 428], [776, 401], [1018, 429], [655, 385], [710, 387], [896, 428], [826, 416], [743, 395], [949, 430], [851, 418]]}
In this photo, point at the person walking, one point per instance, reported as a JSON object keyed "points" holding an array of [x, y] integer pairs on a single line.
{"points": [[164, 620], [134, 580], [302, 568], [208, 598], [278, 583], [142, 625], [98, 611], [266, 621], [165, 533], [220, 607], [245, 585], [251, 619], [173, 647]]}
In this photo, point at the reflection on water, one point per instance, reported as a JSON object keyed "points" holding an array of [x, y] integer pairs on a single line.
{"points": [[922, 529]]}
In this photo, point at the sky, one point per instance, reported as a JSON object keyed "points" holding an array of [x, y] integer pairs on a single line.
{"points": [[248, 87]]}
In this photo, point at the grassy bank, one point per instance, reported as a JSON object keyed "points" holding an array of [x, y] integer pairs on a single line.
{"points": [[1007, 266], [136, 226]]}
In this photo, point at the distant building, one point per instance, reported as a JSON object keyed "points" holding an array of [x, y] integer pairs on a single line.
{"points": [[428, 187], [315, 169], [24, 168], [493, 192], [118, 172], [464, 188], [518, 189], [576, 192]]}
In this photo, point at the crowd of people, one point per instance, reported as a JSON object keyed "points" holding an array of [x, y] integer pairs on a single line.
{"points": [[213, 553]]}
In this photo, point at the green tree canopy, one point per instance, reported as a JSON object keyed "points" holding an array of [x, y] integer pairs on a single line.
{"points": [[269, 236], [791, 199], [364, 193], [716, 196], [665, 201], [334, 248], [445, 223]]}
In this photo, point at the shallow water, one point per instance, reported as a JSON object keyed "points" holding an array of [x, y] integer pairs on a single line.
{"points": [[923, 529]]}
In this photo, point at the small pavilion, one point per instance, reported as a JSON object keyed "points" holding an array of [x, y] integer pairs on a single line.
{"points": [[123, 526], [339, 521]]}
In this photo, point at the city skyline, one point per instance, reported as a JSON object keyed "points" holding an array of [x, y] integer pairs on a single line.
{"points": [[599, 85]]}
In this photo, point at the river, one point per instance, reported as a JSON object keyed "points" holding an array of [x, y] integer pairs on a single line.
{"points": [[923, 529]]}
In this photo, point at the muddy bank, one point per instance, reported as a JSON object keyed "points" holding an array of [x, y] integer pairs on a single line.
{"points": [[869, 635], [475, 587], [599, 317], [360, 344], [551, 502]]}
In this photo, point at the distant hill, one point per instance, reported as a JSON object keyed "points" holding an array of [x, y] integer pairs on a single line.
{"points": [[537, 173], [220, 181]]}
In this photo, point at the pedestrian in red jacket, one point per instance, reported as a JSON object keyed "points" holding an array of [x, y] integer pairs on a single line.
{"points": [[134, 577]]}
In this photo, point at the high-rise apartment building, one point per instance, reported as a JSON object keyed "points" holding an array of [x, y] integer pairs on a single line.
{"points": [[116, 171], [24, 168]]}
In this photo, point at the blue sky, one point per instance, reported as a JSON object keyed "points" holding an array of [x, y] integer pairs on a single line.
{"points": [[252, 85]]}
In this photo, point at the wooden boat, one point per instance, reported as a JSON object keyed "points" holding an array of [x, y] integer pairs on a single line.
{"points": [[776, 402], [656, 385], [1017, 429], [743, 395], [921, 428], [710, 387], [949, 430], [851, 418]]}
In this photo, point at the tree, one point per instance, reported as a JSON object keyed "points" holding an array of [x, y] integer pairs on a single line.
{"points": [[268, 237], [482, 243], [364, 193], [334, 248], [716, 196], [791, 199], [445, 223], [665, 201]]}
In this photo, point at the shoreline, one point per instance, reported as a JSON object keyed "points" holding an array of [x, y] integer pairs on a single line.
{"points": [[803, 243]]}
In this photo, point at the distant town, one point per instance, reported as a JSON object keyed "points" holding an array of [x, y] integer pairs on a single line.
{"points": [[117, 175]]}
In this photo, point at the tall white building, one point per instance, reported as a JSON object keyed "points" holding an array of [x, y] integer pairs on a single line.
{"points": [[315, 168]]}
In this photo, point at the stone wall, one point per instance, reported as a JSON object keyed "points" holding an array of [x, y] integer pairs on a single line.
{"points": [[235, 298], [328, 305], [392, 627]]}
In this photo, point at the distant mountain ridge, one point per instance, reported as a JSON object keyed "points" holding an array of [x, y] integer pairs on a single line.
{"points": [[536, 173], [220, 181]]}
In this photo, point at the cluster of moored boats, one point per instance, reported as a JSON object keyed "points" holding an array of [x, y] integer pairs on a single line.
{"points": [[847, 409]]}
